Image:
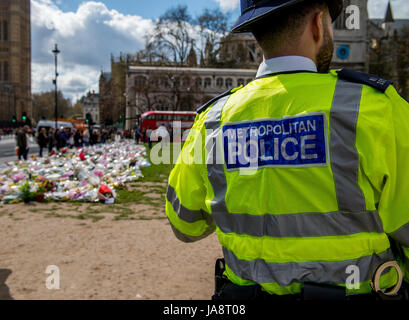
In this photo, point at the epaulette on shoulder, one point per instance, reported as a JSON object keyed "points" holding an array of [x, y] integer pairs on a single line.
{"points": [[364, 78], [211, 102]]}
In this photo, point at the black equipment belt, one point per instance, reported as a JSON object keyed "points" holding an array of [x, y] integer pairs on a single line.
{"points": [[227, 290]]}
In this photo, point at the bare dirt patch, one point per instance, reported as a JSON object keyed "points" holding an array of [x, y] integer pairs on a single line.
{"points": [[136, 257]]}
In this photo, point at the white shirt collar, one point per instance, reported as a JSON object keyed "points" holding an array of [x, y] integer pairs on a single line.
{"points": [[285, 64]]}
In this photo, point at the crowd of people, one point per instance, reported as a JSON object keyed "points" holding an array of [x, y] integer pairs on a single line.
{"points": [[50, 140], [6, 132], [57, 139]]}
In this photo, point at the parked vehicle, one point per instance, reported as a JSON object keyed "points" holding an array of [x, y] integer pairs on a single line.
{"points": [[51, 124], [154, 119]]}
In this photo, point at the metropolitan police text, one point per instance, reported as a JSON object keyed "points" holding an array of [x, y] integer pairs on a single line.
{"points": [[291, 141]]}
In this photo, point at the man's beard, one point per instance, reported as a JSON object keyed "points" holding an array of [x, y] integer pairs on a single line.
{"points": [[325, 53]]}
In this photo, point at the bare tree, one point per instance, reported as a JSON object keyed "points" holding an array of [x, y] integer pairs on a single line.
{"points": [[403, 62], [213, 26], [170, 90], [172, 34], [152, 54], [392, 60], [186, 94], [176, 35]]}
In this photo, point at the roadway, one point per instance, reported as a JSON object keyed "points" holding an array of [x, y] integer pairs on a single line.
{"points": [[8, 148]]}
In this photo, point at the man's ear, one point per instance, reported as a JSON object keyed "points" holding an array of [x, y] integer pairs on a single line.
{"points": [[318, 26]]}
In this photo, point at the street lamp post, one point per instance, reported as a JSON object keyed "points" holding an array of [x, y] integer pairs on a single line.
{"points": [[125, 111], [56, 52]]}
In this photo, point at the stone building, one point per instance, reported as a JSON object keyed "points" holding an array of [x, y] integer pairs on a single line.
{"points": [[240, 49], [91, 106], [350, 37], [105, 99], [15, 60], [112, 92], [350, 45], [181, 89], [389, 50], [137, 89]]}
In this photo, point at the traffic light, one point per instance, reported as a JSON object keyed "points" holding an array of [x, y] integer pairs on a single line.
{"points": [[26, 120], [14, 121], [108, 122], [88, 119]]}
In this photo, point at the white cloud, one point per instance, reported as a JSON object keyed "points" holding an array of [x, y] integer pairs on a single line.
{"points": [[86, 39], [88, 36], [377, 8], [228, 5], [74, 80]]}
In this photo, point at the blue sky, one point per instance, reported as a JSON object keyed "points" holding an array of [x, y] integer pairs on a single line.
{"points": [[148, 9], [154, 8], [88, 32]]}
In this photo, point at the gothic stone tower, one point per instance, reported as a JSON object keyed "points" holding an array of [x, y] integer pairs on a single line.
{"points": [[350, 36], [15, 59]]}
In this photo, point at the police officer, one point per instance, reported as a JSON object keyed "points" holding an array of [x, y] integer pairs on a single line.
{"points": [[303, 173]]}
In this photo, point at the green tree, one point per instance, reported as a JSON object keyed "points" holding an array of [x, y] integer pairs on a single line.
{"points": [[44, 105], [77, 111]]}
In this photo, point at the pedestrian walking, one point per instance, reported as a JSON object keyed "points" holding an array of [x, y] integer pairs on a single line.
{"points": [[63, 138], [77, 139], [51, 140], [22, 143], [148, 136], [70, 140], [137, 135], [42, 140], [144, 138], [86, 137], [58, 140]]}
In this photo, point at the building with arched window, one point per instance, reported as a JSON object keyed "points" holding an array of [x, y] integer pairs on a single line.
{"points": [[181, 89], [15, 60], [91, 106], [350, 41]]}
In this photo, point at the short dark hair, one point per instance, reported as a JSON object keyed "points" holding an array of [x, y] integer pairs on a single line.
{"points": [[285, 25]]}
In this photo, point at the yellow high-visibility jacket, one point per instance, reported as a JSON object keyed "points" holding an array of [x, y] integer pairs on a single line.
{"points": [[301, 175]]}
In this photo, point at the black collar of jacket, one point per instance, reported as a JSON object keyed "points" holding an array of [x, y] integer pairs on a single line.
{"points": [[364, 78]]}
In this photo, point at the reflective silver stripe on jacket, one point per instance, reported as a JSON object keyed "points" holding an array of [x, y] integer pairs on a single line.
{"points": [[215, 166], [352, 217], [402, 235], [284, 274], [216, 177], [186, 238], [184, 213], [299, 224], [344, 156]]}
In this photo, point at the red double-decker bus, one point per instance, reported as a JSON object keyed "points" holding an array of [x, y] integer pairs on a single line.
{"points": [[154, 119]]}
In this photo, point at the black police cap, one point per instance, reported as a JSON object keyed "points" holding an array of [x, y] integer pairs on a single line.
{"points": [[254, 10]]}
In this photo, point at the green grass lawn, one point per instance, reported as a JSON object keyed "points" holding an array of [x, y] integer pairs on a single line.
{"points": [[159, 172]]}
